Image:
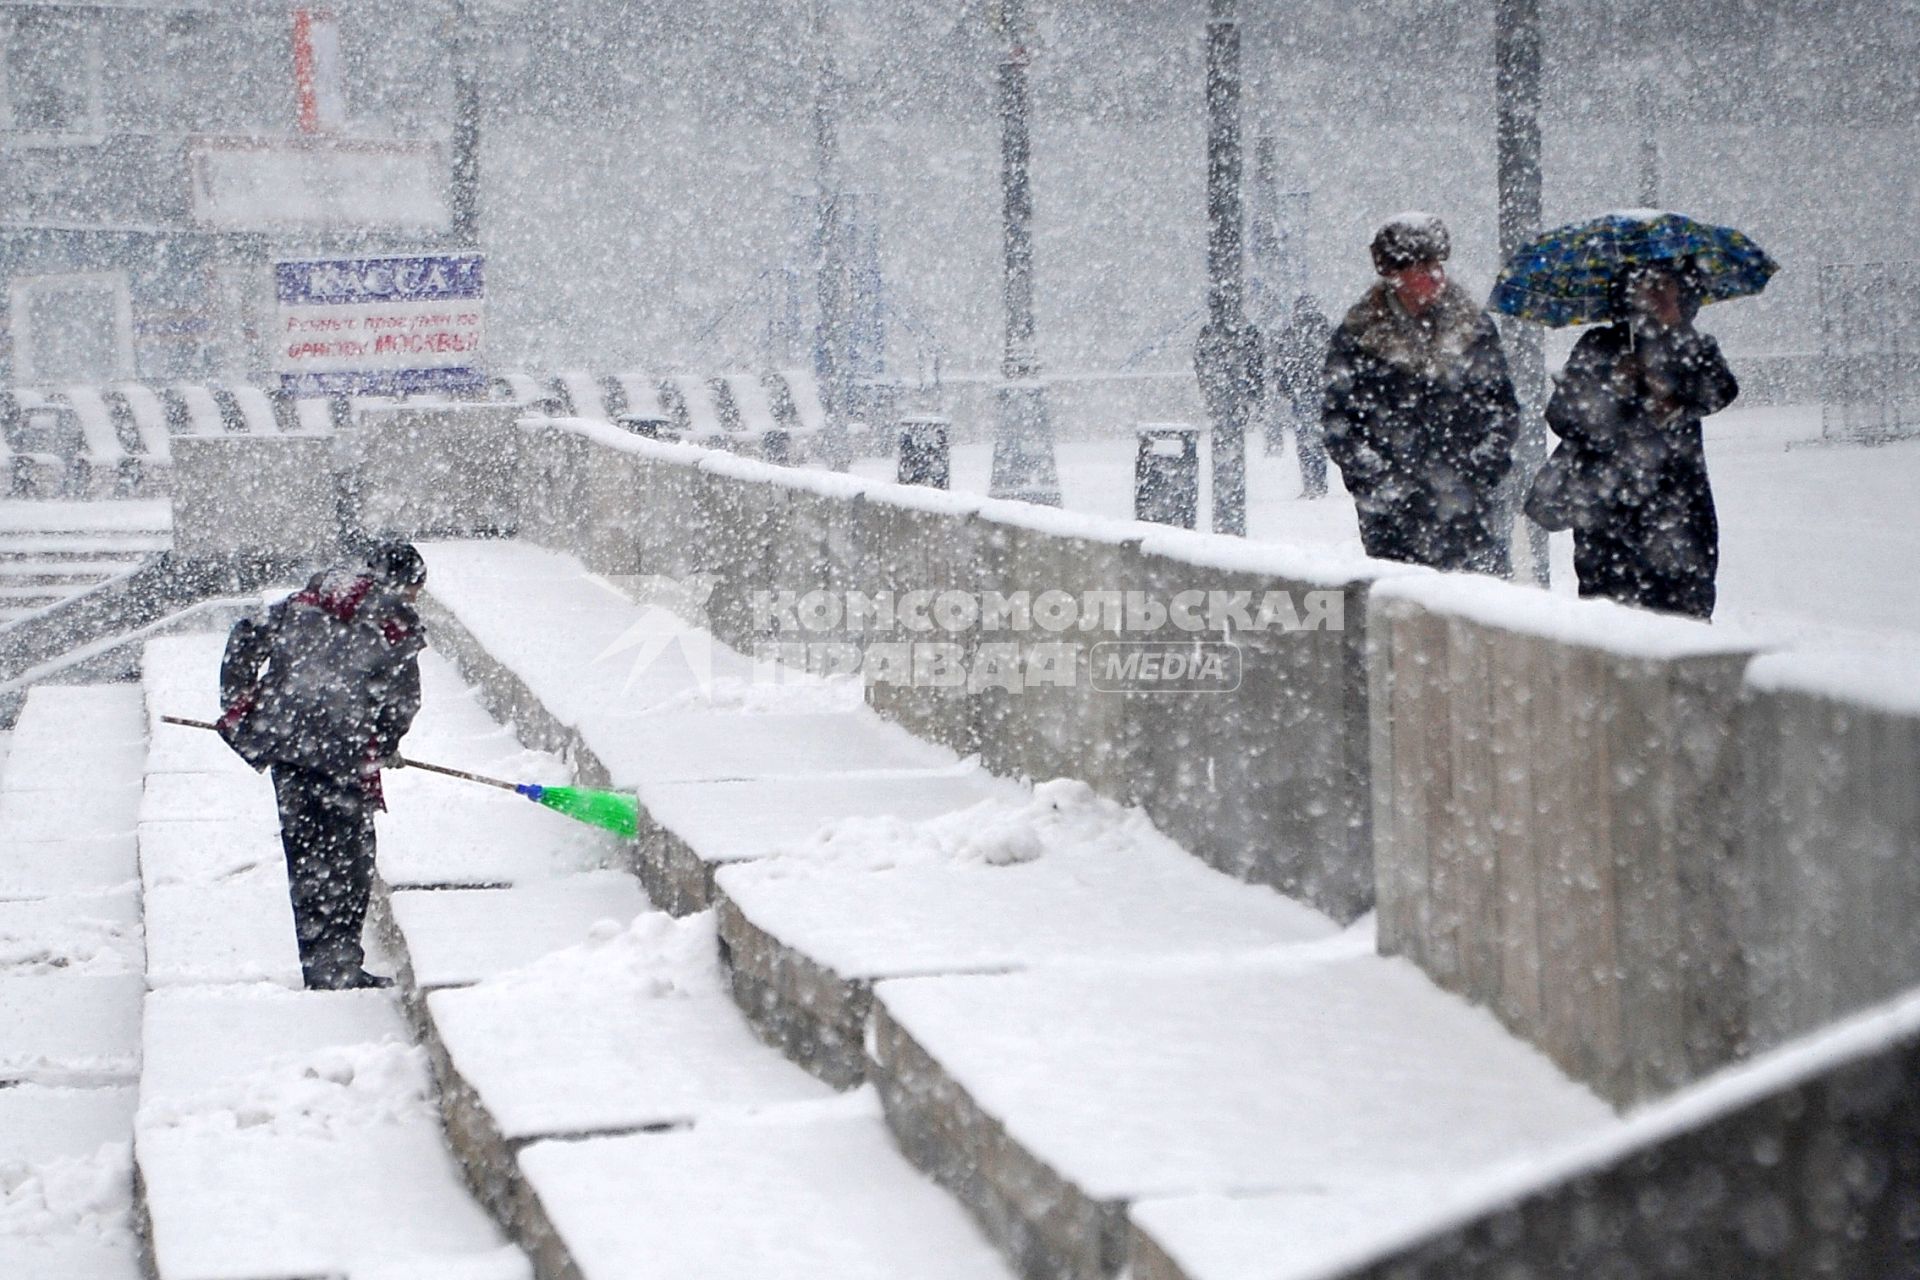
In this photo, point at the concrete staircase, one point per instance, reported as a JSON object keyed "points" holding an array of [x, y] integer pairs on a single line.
{"points": [[848, 1006], [53, 551], [1066, 1018]]}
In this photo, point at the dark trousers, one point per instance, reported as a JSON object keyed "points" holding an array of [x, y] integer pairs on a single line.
{"points": [[326, 828]]}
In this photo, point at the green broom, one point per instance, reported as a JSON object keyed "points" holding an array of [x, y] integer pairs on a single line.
{"points": [[609, 810]]}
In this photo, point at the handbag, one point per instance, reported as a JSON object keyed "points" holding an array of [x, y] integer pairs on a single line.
{"points": [[1551, 501]]}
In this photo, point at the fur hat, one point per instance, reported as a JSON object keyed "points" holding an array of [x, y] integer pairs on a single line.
{"points": [[396, 564], [1409, 238]]}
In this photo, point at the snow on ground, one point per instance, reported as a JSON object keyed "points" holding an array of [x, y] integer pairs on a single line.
{"points": [[1816, 542], [630, 1028], [71, 956], [1320, 1073], [830, 1200], [456, 937], [142, 515], [1056, 873]]}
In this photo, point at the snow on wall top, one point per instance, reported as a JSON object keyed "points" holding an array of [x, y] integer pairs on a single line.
{"points": [[1876, 681], [1593, 624], [1313, 567]]}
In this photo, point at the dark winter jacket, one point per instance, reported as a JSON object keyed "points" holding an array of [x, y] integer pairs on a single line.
{"points": [[330, 682], [1628, 409], [1300, 354], [1420, 415]]}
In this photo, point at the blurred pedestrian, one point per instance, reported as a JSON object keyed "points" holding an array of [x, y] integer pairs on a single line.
{"points": [[1419, 411], [1299, 363], [321, 693], [1634, 484]]}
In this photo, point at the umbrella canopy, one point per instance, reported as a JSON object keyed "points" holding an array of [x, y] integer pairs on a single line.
{"points": [[1566, 276]]}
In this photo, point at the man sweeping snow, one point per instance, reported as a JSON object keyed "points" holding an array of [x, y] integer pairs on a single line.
{"points": [[321, 693]]}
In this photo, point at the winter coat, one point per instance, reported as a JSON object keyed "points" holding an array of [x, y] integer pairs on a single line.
{"points": [[1628, 409], [329, 682], [1300, 355], [1420, 415]]}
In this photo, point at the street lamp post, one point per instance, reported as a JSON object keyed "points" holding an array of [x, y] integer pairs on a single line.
{"points": [[1023, 462], [830, 264], [464, 193], [1222, 360], [1516, 60]]}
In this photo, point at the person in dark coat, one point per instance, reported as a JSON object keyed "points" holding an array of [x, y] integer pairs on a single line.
{"points": [[321, 693], [1629, 406], [1419, 411], [1299, 361]]}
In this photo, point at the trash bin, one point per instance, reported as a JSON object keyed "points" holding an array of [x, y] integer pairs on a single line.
{"points": [[925, 452], [776, 446], [652, 426], [1166, 474]]}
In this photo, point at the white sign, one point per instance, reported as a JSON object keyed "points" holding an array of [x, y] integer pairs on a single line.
{"points": [[318, 183], [380, 326]]}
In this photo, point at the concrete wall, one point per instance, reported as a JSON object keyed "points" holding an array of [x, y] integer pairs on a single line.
{"points": [[1580, 815], [1829, 830], [1647, 851], [1553, 822], [264, 497], [444, 470]]}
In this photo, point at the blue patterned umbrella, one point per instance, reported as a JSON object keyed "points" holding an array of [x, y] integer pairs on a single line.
{"points": [[1566, 275]]}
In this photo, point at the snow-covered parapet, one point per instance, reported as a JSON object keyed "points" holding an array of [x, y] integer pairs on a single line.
{"points": [[1553, 820]]}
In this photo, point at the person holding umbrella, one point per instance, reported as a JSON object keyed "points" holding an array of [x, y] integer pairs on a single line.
{"points": [[1630, 475], [1419, 412]]}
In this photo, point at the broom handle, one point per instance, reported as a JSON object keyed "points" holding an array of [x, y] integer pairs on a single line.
{"points": [[410, 764]]}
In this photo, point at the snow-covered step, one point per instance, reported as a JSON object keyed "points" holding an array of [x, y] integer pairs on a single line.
{"points": [[70, 984], [634, 693], [53, 551], [285, 1133], [439, 831], [642, 700], [457, 937], [1053, 1100], [696, 828], [1031, 878], [823, 1199], [95, 933], [70, 1028], [631, 1029], [71, 796], [67, 1183]]}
